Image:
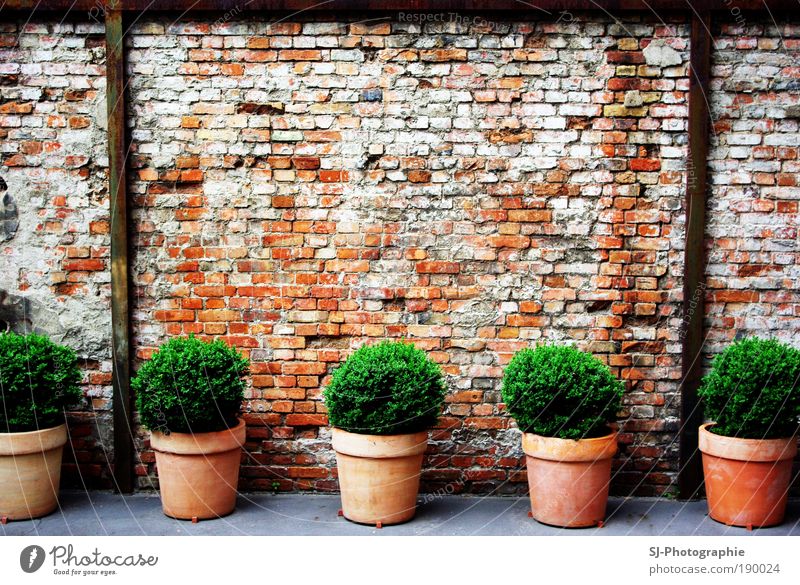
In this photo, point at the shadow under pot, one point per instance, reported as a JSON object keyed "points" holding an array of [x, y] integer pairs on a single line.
{"points": [[198, 474], [747, 480], [30, 472], [379, 475], [569, 479]]}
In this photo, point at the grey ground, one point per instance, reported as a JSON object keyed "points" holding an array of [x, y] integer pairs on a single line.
{"points": [[103, 513]]}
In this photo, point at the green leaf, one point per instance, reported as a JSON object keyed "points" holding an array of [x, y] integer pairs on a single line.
{"points": [[559, 391], [752, 390], [385, 389], [38, 381], [190, 386]]}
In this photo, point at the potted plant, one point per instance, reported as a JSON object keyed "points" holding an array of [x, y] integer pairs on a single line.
{"points": [[563, 400], [752, 396], [381, 401], [38, 381], [188, 395]]}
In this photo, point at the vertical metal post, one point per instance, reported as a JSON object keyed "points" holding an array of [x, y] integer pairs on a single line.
{"points": [[120, 311], [691, 474]]}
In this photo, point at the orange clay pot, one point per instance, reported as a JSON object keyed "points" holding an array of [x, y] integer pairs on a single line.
{"points": [[747, 480], [569, 479], [199, 473], [30, 471], [379, 475]]}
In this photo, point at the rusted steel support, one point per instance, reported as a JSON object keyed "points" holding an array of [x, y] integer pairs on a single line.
{"points": [[120, 308], [691, 474]]}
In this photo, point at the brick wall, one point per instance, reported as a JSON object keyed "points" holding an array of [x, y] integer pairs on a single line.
{"points": [[754, 267], [304, 187], [54, 269], [753, 273]]}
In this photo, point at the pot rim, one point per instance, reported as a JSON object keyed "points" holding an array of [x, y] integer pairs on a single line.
{"points": [[571, 450], [744, 449], [27, 442], [21, 433], [378, 446], [208, 443]]}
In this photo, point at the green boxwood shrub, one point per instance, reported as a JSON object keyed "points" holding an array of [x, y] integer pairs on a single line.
{"points": [[191, 386], [38, 381], [385, 389], [559, 391], [752, 390]]}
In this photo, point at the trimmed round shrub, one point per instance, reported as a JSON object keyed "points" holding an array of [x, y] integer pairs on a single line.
{"points": [[191, 386], [390, 388], [752, 390], [559, 391], [38, 381]]}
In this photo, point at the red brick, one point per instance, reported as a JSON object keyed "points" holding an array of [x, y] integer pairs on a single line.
{"points": [[419, 176], [218, 315], [86, 265], [519, 242], [645, 164], [735, 296], [233, 69], [300, 55], [333, 176], [440, 55], [306, 420], [530, 215], [78, 122], [174, 315], [99, 227], [305, 162], [191, 176], [438, 267]]}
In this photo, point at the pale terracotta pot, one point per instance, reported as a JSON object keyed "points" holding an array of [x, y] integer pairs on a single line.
{"points": [[569, 479], [30, 471], [747, 480], [199, 473], [379, 475]]}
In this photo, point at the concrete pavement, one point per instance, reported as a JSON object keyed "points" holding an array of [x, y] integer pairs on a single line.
{"points": [[103, 513]]}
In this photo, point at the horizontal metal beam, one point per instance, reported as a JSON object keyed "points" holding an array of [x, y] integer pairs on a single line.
{"points": [[330, 7]]}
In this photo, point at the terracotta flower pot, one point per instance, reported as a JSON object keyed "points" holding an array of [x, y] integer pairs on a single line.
{"points": [[199, 473], [747, 480], [379, 475], [30, 471], [569, 479]]}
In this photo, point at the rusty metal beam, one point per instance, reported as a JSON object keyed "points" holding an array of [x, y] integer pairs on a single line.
{"points": [[691, 474], [406, 6], [120, 308]]}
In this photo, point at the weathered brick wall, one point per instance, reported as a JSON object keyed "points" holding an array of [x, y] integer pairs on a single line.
{"points": [[304, 187], [753, 273], [754, 267], [55, 245]]}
